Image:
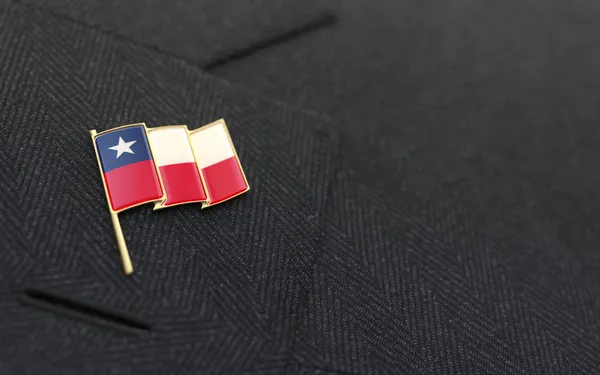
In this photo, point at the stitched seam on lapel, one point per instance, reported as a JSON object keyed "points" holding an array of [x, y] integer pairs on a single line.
{"points": [[303, 303], [320, 17]]}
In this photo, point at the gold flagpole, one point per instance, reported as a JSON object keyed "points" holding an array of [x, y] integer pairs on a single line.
{"points": [[114, 216], [127, 266]]}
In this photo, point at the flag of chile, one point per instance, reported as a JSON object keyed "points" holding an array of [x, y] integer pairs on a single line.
{"points": [[177, 166], [218, 162], [127, 166]]}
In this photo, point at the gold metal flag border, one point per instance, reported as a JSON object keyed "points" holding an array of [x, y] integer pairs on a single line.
{"points": [[215, 123], [114, 215], [161, 204]]}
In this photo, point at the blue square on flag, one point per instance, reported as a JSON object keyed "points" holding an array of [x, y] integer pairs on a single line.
{"points": [[128, 168]]}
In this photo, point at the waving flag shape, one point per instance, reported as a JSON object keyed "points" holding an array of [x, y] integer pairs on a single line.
{"points": [[168, 165], [174, 157], [128, 168], [218, 163]]}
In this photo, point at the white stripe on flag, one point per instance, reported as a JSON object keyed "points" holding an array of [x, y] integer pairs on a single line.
{"points": [[211, 145], [171, 145]]}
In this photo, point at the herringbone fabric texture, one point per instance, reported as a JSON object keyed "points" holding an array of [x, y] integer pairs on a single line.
{"points": [[202, 32], [340, 260], [220, 288]]}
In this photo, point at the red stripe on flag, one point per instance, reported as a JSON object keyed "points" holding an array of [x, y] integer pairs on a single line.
{"points": [[224, 180], [182, 183], [133, 184]]}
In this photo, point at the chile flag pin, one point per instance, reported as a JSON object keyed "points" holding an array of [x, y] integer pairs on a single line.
{"points": [[168, 165]]}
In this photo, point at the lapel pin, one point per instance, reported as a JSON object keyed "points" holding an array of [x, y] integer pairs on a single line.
{"points": [[166, 165]]}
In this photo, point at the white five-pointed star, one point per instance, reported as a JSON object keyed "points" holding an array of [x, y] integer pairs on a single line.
{"points": [[122, 147]]}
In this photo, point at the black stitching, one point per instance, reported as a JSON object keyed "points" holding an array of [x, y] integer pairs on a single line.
{"points": [[325, 20]]}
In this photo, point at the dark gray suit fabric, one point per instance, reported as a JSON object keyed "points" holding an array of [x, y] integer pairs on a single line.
{"points": [[430, 257], [201, 32], [221, 289], [486, 114], [414, 64]]}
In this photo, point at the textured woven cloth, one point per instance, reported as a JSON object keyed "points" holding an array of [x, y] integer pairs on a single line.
{"points": [[342, 259]]}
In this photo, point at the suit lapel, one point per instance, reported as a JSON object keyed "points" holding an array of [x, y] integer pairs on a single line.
{"points": [[202, 32], [238, 270]]}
